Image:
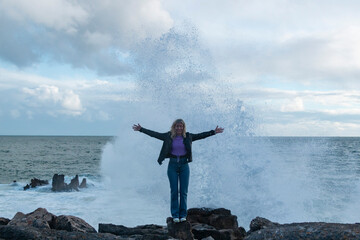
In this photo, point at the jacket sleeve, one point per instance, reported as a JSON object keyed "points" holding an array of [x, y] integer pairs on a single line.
{"points": [[160, 136], [202, 135]]}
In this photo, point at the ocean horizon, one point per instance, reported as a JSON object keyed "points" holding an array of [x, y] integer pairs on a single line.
{"points": [[291, 179]]}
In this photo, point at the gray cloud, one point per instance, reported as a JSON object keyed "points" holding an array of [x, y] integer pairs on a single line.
{"points": [[95, 35]]}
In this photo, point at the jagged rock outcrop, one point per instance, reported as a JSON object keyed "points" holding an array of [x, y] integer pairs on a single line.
{"points": [[261, 228], [4, 221], [40, 224], [143, 232], [216, 223], [40, 218], [72, 224], [36, 182], [32, 233], [202, 224], [259, 223], [181, 230], [83, 183], [59, 185]]}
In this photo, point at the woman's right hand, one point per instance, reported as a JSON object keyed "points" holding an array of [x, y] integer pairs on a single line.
{"points": [[136, 127]]}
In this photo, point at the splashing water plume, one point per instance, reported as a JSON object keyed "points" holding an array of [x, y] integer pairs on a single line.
{"points": [[176, 79]]}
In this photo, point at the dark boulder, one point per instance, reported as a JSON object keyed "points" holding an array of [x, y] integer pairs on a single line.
{"points": [[261, 223], [208, 238], [307, 230], [36, 182], [83, 183], [74, 183], [202, 231], [40, 218], [216, 223], [59, 185], [181, 230], [72, 224], [219, 218], [4, 221], [143, 232], [31, 233]]}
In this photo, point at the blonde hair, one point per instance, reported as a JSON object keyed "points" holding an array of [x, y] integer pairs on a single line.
{"points": [[172, 130]]}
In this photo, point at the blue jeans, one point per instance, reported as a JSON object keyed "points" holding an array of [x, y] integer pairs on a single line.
{"points": [[178, 171]]}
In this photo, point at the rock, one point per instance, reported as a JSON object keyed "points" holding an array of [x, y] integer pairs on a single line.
{"points": [[218, 223], [180, 230], [315, 230], [36, 182], [4, 221], [261, 223], [40, 218], [59, 185], [146, 232], [74, 184], [219, 218], [72, 224], [19, 233], [83, 183], [31, 233], [201, 231], [208, 238]]}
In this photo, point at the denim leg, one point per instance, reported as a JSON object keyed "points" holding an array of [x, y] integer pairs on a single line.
{"points": [[184, 185], [173, 176]]}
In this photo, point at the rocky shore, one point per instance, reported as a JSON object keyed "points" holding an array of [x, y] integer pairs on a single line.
{"points": [[58, 183], [201, 224]]}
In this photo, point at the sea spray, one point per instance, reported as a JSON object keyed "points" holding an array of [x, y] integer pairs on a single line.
{"points": [[252, 176], [176, 79]]}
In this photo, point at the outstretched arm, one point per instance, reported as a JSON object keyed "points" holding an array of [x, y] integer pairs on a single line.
{"points": [[203, 135], [160, 136]]}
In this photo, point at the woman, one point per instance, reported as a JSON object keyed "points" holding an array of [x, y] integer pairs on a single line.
{"points": [[177, 146]]}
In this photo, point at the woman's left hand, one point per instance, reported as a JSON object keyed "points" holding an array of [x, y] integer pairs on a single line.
{"points": [[219, 129]]}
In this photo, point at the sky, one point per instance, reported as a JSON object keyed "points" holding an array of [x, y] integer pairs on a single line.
{"points": [[66, 66]]}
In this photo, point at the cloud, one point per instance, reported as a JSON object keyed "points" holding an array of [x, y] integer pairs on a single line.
{"points": [[49, 96], [38, 97], [310, 127], [58, 14], [302, 43], [295, 105], [95, 35]]}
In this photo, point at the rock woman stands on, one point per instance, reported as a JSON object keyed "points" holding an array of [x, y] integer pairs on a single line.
{"points": [[177, 147]]}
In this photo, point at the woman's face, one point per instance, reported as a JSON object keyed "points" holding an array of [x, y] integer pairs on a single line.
{"points": [[179, 128]]}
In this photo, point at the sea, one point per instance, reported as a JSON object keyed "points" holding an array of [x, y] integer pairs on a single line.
{"points": [[284, 179]]}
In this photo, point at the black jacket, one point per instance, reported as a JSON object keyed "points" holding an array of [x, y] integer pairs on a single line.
{"points": [[167, 144]]}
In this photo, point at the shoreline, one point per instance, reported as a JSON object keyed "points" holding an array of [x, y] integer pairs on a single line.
{"points": [[201, 224]]}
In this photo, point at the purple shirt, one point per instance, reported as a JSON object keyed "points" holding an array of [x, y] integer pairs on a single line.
{"points": [[178, 147]]}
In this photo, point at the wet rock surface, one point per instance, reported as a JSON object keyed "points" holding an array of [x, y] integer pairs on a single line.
{"points": [[40, 218], [72, 224], [146, 232], [181, 230], [261, 228], [217, 223], [40, 224], [32, 233], [35, 183], [59, 185], [4, 221], [202, 224]]}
